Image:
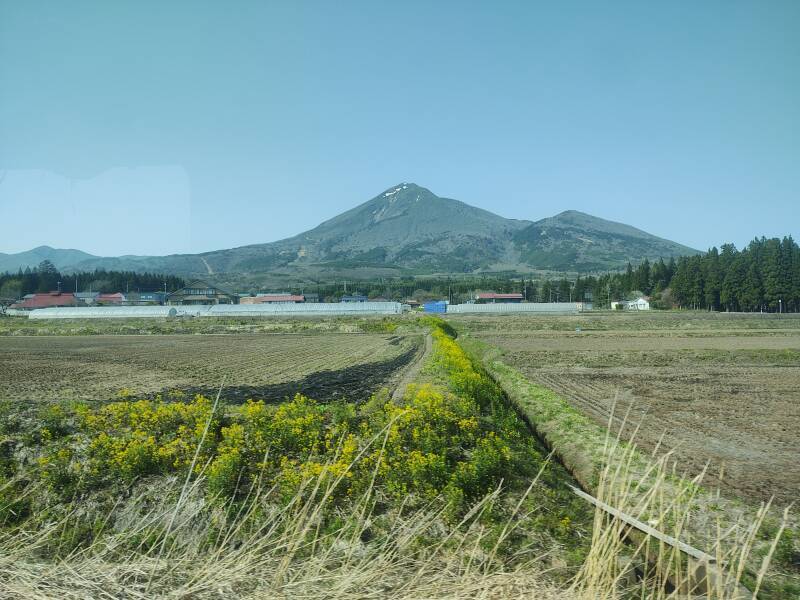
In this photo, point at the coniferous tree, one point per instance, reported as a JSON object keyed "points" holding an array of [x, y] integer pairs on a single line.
{"points": [[733, 284], [752, 295], [712, 280]]}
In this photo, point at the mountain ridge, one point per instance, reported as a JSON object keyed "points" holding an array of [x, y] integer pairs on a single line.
{"points": [[406, 229]]}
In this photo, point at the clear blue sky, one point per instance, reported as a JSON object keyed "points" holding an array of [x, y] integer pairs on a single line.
{"points": [[155, 127]]}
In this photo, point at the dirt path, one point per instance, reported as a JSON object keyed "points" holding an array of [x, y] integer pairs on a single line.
{"points": [[208, 266], [413, 369]]}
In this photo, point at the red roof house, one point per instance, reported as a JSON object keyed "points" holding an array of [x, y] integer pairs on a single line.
{"points": [[46, 300], [117, 298], [491, 297]]}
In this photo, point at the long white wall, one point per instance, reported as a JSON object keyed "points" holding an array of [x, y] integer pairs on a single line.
{"points": [[522, 307], [220, 310], [104, 312], [301, 309]]}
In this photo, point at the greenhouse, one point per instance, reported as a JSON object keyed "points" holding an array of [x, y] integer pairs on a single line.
{"points": [[305, 309], [220, 310], [107, 312], [529, 307]]}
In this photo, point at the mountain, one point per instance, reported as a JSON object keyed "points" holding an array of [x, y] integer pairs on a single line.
{"points": [[63, 259], [406, 229], [575, 241]]}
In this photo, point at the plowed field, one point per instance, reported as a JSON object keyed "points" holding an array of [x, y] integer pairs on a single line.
{"points": [[723, 391], [271, 367]]}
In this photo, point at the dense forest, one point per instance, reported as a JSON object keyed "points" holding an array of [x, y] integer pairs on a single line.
{"points": [[46, 278], [763, 276]]}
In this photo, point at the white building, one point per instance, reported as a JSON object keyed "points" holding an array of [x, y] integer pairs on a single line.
{"points": [[638, 304]]}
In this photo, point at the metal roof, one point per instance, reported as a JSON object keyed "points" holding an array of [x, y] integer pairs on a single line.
{"points": [[267, 298], [47, 299], [494, 296]]}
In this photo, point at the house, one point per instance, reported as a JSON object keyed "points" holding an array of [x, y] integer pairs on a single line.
{"points": [[638, 304], [284, 298], [493, 298], [86, 297], [314, 298], [116, 299], [46, 300], [145, 298], [200, 293], [354, 298]]}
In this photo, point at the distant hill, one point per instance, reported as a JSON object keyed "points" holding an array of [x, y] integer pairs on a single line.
{"points": [[404, 230], [63, 259], [575, 241]]}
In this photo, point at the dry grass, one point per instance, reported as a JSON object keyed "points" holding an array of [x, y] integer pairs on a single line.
{"points": [[271, 549], [623, 560]]}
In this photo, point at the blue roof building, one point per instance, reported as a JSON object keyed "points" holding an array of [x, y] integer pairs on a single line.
{"points": [[437, 306]]}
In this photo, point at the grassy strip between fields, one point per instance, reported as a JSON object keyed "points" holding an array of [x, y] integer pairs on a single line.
{"points": [[685, 509]]}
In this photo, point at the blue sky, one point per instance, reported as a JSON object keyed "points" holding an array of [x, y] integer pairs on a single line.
{"points": [[157, 127]]}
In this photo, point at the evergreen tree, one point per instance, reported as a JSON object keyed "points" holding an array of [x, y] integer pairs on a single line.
{"points": [[733, 284], [713, 280], [752, 294]]}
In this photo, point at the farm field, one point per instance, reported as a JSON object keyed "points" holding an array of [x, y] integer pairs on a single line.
{"points": [[22, 326], [719, 389], [453, 441], [271, 367]]}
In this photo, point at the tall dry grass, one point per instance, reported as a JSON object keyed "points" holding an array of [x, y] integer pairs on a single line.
{"points": [[175, 543], [624, 561], [269, 549]]}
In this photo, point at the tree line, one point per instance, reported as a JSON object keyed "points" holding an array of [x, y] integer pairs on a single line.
{"points": [[47, 278], [764, 276]]}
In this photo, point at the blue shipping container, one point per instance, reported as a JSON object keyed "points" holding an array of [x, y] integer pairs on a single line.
{"points": [[439, 306]]}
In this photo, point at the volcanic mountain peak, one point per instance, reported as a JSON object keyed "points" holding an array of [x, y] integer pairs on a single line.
{"points": [[406, 229]]}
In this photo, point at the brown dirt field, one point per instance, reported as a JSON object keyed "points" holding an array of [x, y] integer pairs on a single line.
{"points": [[270, 367], [730, 398]]}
